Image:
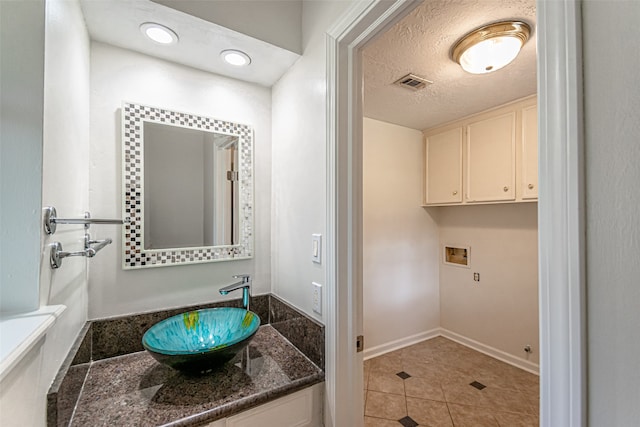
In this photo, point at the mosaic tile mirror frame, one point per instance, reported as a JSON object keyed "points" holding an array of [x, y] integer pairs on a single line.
{"points": [[134, 254]]}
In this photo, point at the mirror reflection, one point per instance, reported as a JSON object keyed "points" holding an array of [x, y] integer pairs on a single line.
{"points": [[190, 187]]}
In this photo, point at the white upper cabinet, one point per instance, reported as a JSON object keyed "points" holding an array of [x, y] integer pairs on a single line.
{"points": [[443, 159], [530, 152], [490, 157]]}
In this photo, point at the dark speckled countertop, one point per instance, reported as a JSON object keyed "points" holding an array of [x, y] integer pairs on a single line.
{"points": [[135, 390]]}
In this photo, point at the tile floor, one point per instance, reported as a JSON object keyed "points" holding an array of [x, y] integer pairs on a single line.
{"points": [[439, 383]]}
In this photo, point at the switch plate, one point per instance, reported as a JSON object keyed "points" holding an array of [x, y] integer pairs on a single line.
{"points": [[317, 297], [476, 277], [316, 248]]}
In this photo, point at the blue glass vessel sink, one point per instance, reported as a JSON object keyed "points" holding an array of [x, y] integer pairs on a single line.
{"points": [[201, 340]]}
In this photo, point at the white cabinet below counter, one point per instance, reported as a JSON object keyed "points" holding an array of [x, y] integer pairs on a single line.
{"points": [[490, 157], [300, 409]]}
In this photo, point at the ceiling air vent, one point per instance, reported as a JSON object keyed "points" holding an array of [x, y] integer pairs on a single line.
{"points": [[411, 81]]}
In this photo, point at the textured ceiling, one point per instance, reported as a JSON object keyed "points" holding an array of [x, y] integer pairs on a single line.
{"points": [[117, 22], [420, 44]]}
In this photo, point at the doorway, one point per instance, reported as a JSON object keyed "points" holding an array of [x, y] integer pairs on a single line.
{"points": [[560, 215], [487, 299]]}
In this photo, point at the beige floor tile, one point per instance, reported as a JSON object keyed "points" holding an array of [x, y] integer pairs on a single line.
{"points": [[527, 380], [423, 389], [533, 399], [385, 405], [499, 374], [454, 375], [386, 383], [506, 419], [420, 355], [390, 363], [506, 400], [429, 413], [419, 368], [380, 422], [438, 373], [365, 377], [411, 355], [531, 393], [464, 394], [494, 378], [470, 416], [442, 342], [441, 372]]}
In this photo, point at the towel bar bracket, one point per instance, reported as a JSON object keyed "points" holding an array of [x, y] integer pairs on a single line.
{"points": [[91, 248]]}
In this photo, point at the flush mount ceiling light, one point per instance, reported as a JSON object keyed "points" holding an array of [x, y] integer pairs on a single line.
{"points": [[235, 57], [159, 33], [491, 47]]}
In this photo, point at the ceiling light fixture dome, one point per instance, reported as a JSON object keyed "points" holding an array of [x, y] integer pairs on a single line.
{"points": [[235, 57], [159, 33], [491, 47]]}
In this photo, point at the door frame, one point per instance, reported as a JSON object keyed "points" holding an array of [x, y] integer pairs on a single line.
{"points": [[560, 209]]}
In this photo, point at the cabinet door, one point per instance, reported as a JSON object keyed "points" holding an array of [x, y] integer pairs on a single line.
{"points": [[443, 162], [530, 152], [300, 409], [491, 159]]}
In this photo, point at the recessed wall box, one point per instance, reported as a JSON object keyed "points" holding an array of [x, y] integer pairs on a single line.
{"points": [[458, 256]]}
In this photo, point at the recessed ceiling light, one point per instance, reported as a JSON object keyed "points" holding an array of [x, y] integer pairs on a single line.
{"points": [[235, 57], [491, 47], [159, 33]]}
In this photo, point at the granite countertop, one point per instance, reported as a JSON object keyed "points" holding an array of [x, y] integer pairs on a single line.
{"points": [[136, 390]]}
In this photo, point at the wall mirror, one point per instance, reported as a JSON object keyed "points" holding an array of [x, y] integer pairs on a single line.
{"points": [[187, 188]]}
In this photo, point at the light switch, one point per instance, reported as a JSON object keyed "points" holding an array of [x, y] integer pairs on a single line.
{"points": [[316, 247]]}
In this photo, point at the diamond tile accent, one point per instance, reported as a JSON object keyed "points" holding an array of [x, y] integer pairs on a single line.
{"points": [[408, 422], [478, 385], [403, 375]]}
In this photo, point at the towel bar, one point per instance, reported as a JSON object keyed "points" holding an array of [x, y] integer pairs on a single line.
{"points": [[51, 219]]}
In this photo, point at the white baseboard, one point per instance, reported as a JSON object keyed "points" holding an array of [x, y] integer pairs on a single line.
{"points": [[400, 343], [493, 352]]}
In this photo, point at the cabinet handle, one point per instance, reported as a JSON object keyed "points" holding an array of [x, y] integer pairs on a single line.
{"points": [[530, 186], [506, 188], [454, 193]]}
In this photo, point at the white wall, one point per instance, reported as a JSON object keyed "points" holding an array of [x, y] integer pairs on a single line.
{"points": [[299, 161], [274, 21], [21, 96], [500, 311], [612, 155], [65, 185], [403, 270], [66, 170], [400, 238], [118, 75]]}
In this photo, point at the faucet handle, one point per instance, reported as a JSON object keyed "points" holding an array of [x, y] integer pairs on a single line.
{"points": [[246, 278]]}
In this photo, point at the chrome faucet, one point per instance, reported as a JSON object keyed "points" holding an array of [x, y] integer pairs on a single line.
{"points": [[244, 284]]}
